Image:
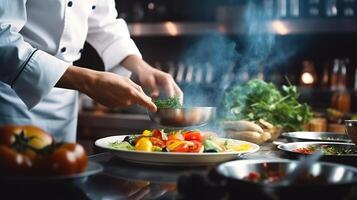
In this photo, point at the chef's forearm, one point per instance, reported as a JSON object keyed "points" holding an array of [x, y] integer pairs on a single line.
{"points": [[77, 78]]}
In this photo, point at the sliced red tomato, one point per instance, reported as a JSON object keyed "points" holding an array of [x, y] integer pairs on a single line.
{"points": [[157, 133], [175, 136], [193, 135], [157, 142], [195, 147]]}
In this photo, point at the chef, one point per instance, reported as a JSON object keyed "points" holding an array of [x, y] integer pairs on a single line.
{"points": [[39, 85]]}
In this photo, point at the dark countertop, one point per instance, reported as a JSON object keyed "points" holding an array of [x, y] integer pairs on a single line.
{"points": [[118, 180], [124, 180]]}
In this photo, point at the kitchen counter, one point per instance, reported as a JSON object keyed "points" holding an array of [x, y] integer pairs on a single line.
{"points": [[124, 180], [118, 180]]}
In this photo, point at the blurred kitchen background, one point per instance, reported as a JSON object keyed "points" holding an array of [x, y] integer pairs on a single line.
{"points": [[209, 45]]}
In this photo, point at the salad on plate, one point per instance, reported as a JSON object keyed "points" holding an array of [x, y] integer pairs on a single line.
{"points": [[178, 141]]}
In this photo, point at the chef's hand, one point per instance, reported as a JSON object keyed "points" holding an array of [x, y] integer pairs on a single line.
{"points": [[106, 88], [154, 79]]}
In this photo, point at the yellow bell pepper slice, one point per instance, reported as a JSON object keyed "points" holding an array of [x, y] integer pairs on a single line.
{"points": [[146, 133], [144, 144]]}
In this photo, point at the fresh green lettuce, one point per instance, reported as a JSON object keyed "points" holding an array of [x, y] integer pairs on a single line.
{"points": [[257, 99]]}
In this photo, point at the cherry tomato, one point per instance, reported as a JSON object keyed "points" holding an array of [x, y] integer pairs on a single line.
{"points": [[13, 162], [193, 135], [195, 147], [157, 133], [157, 142], [69, 158]]}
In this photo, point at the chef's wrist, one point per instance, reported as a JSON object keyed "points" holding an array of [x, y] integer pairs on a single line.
{"points": [[78, 78], [134, 63]]}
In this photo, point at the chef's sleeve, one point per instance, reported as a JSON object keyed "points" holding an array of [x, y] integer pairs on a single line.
{"points": [[109, 35], [30, 72]]}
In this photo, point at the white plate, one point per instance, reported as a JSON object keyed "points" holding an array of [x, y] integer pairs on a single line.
{"points": [[167, 158]]}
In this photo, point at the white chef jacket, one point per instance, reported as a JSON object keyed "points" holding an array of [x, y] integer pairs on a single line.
{"points": [[39, 39]]}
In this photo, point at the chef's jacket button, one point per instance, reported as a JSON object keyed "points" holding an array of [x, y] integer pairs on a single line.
{"points": [[93, 7], [63, 49], [81, 50], [69, 4]]}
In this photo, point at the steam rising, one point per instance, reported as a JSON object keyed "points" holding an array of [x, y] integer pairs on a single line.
{"points": [[214, 56], [259, 43], [255, 58]]}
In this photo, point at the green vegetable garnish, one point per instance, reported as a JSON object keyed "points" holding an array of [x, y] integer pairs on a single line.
{"points": [[172, 102], [210, 146], [130, 139], [121, 145], [257, 99]]}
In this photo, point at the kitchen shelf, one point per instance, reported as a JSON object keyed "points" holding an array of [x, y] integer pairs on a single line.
{"points": [[280, 27]]}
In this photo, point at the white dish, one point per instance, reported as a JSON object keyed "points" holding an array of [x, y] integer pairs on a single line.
{"points": [[167, 158]]}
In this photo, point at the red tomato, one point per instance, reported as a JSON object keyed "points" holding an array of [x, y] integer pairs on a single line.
{"points": [[157, 142], [67, 159], [196, 147], [32, 136], [175, 136], [193, 135], [7, 134], [13, 162], [156, 133], [39, 138]]}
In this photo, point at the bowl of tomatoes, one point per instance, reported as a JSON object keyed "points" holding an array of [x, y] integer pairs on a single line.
{"points": [[28, 152]]}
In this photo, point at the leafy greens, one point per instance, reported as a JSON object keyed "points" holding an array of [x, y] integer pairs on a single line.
{"points": [[257, 99], [172, 102]]}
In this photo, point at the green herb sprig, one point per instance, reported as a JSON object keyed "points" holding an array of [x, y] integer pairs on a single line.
{"points": [[172, 102]]}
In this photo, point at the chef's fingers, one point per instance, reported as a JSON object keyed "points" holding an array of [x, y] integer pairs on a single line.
{"points": [[178, 93], [136, 86], [142, 99], [154, 89], [168, 87]]}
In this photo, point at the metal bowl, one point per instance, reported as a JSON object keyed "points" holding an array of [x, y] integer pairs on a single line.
{"points": [[335, 180], [183, 117]]}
